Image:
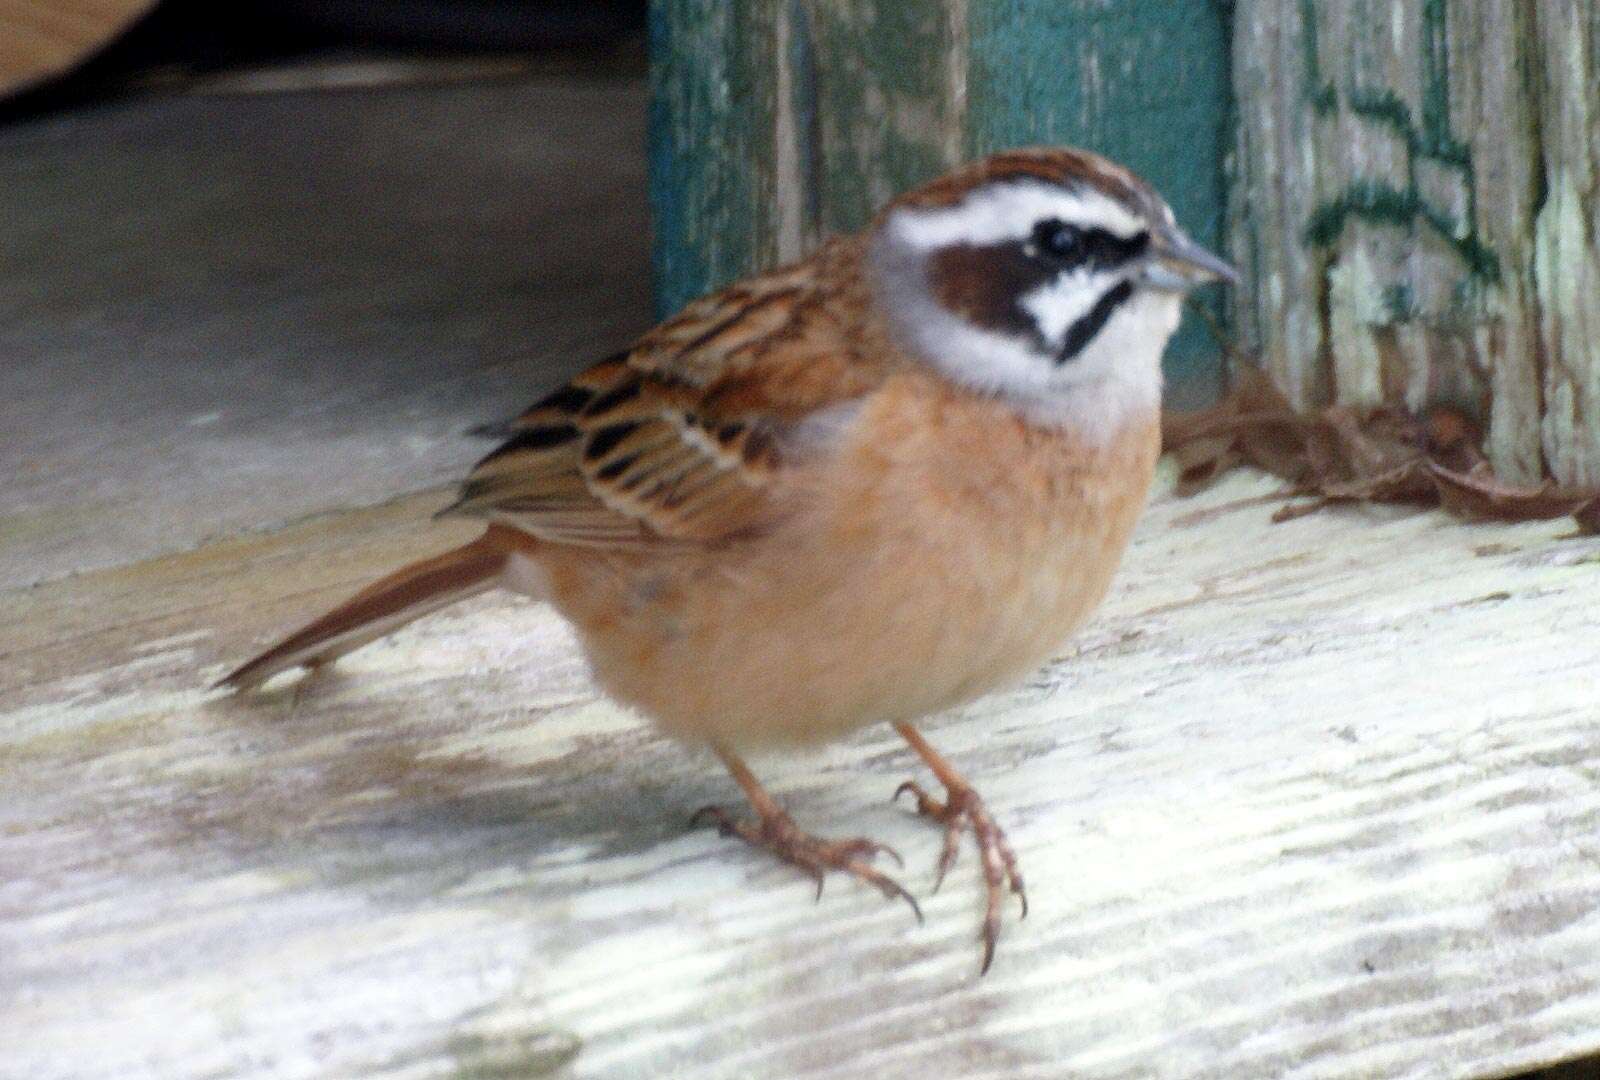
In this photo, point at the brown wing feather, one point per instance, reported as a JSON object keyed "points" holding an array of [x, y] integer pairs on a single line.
{"points": [[686, 438]]}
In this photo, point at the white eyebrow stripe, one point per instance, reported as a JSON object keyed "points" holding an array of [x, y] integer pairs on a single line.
{"points": [[1008, 211]]}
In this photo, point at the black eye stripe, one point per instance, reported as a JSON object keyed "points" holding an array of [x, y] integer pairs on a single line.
{"points": [[1116, 250], [1056, 239], [1070, 246]]}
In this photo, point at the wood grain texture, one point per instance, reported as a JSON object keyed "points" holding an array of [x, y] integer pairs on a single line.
{"points": [[1310, 800], [40, 39], [776, 123], [1415, 209], [1567, 234]]}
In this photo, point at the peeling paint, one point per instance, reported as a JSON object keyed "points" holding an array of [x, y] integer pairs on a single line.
{"points": [[1434, 178]]}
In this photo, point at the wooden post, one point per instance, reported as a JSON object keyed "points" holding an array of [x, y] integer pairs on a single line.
{"points": [[777, 122], [1415, 207]]}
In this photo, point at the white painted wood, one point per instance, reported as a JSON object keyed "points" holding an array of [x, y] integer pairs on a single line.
{"points": [[1309, 800]]}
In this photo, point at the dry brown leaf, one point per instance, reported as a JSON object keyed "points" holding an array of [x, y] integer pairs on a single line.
{"points": [[1588, 516], [1480, 496], [1344, 454], [1252, 425]]}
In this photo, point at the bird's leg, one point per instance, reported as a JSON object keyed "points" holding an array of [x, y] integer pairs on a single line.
{"points": [[961, 809], [775, 831]]}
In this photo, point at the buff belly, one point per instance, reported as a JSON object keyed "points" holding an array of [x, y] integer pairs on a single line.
{"points": [[905, 598]]}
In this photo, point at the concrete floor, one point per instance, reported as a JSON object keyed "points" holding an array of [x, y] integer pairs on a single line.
{"points": [[227, 312]]}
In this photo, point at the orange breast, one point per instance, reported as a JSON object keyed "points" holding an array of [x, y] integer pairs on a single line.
{"points": [[949, 549]]}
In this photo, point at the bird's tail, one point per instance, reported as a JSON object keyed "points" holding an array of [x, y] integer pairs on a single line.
{"points": [[381, 608]]}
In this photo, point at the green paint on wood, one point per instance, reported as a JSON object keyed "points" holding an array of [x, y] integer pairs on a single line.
{"points": [[1399, 301], [1376, 201], [1436, 139], [777, 122], [883, 103], [1433, 140], [855, 91], [1385, 107], [1324, 99], [710, 119], [1144, 82]]}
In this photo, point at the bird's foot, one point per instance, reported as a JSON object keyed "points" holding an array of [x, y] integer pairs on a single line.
{"points": [[776, 832], [963, 809]]}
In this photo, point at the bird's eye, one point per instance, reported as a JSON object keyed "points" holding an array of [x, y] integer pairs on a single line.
{"points": [[1061, 241]]}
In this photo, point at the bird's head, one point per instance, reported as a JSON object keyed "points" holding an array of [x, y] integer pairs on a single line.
{"points": [[1049, 277]]}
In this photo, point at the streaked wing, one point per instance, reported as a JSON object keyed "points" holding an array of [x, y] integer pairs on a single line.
{"points": [[689, 437]]}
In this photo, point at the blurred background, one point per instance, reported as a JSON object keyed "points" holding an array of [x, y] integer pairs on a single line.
{"points": [[261, 260], [76, 50], [301, 247]]}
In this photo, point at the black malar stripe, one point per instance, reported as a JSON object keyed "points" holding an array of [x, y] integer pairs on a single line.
{"points": [[1080, 333]]}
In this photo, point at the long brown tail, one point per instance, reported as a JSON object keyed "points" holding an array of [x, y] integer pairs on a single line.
{"points": [[381, 608]]}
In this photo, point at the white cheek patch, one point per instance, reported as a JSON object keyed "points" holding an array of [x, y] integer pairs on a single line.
{"points": [[1059, 303], [1008, 211], [1116, 379], [982, 359]]}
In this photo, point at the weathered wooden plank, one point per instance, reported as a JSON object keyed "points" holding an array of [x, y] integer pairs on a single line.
{"points": [[778, 122], [887, 100], [1567, 234], [1416, 202], [1298, 804]]}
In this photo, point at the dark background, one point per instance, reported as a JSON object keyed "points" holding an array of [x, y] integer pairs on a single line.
{"points": [[195, 38]]}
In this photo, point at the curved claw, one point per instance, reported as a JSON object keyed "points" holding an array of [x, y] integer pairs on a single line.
{"points": [[952, 849], [871, 849], [899, 890], [883, 882], [989, 941], [812, 856], [927, 805], [963, 810]]}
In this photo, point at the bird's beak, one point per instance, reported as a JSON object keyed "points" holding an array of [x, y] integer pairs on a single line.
{"points": [[1177, 264]]}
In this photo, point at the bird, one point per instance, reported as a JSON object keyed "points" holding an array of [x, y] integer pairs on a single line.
{"points": [[865, 487]]}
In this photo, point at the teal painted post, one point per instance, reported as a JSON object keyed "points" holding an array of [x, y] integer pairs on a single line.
{"points": [[776, 122], [707, 107], [1144, 82]]}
